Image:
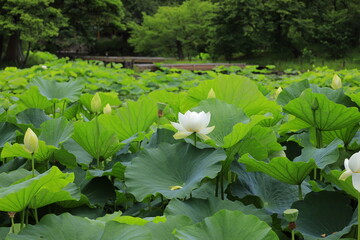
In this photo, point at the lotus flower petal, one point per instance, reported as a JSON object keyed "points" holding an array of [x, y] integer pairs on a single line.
{"points": [[356, 181], [354, 163]]}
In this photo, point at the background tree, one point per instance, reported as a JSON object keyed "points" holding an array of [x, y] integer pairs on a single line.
{"points": [[181, 30], [26, 22]]}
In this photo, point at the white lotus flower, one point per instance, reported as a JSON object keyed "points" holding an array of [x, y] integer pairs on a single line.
{"points": [[193, 122], [352, 168]]}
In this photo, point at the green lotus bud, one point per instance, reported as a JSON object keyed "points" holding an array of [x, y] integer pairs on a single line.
{"points": [[291, 215], [336, 82], [6, 104], [96, 104], [107, 109], [211, 94], [31, 141], [315, 104]]}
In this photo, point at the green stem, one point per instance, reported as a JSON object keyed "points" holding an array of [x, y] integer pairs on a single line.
{"points": [[54, 109], [195, 139], [12, 225], [315, 175], [318, 138], [222, 186], [292, 235], [358, 215], [300, 192], [36, 215], [22, 219], [33, 165], [97, 142], [217, 186]]}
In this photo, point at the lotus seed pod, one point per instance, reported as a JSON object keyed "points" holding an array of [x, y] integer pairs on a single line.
{"points": [[211, 94], [96, 104], [107, 109], [291, 215], [31, 141]]}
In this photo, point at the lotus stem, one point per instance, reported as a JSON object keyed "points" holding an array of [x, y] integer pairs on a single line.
{"points": [[22, 219], [33, 165], [97, 141], [36, 215], [222, 185], [300, 192], [292, 234], [217, 186], [12, 225], [195, 139], [358, 216]]}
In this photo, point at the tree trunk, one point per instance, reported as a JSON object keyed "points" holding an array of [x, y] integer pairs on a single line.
{"points": [[14, 54], [179, 48]]}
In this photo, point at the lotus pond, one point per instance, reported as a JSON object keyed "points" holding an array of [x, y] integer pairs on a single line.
{"points": [[93, 152]]}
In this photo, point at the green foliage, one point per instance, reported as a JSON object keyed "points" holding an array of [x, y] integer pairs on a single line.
{"points": [[181, 30]]}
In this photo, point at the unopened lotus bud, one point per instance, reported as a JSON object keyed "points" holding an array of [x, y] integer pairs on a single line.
{"points": [[278, 91], [31, 141], [44, 67], [336, 82], [96, 104], [211, 94], [315, 104], [291, 215], [6, 104], [107, 109]]}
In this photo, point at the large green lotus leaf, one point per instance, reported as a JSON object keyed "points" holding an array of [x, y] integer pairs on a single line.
{"points": [[259, 142], [171, 165], [322, 156], [280, 168], [97, 140], [62, 227], [221, 226], [135, 118], [329, 115], [199, 209], [6, 179], [32, 116], [276, 196], [355, 97], [231, 123], [7, 133], [233, 89], [293, 125], [65, 158], [81, 155], [163, 96], [333, 177], [56, 191], [59, 90], [117, 170], [345, 134], [18, 150], [16, 197], [291, 92], [324, 213], [335, 95], [56, 131], [33, 99], [106, 98], [120, 231], [163, 230]]}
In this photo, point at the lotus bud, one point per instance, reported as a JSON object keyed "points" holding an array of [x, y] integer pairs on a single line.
{"points": [[96, 104], [291, 215], [44, 67], [336, 82], [31, 141], [278, 91], [315, 104], [107, 109], [211, 94], [6, 104]]}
